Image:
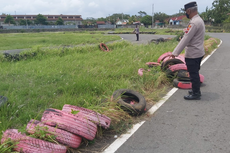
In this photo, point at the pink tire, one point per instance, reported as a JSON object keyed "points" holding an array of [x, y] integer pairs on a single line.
{"points": [[99, 119], [151, 64], [180, 57], [163, 56], [75, 124], [63, 137], [174, 68], [31, 145], [140, 71]]}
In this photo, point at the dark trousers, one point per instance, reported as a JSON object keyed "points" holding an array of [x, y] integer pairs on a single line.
{"points": [[137, 37], [193, 66]]}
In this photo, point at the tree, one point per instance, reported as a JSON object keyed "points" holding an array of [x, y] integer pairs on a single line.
{"points": [[161, 17], [9, 19], [207, 15], [142, 13], [147, 20], [132, 19], [40, 19], [29, 22], [101, 19], [220, 9], [59, 21], [118, 16], [22, 22]]}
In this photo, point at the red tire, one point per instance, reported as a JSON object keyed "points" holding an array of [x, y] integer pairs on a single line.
{"points": [[185, 84], [62, 136], [163, 56], [31, 145], [99, 119], [182, 84], [75, 124], [174, 68], [103, 47], [183, 75]]}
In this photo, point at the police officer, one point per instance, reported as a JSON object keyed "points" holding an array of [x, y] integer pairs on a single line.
{"points": [[136, 30], [192, 41]]}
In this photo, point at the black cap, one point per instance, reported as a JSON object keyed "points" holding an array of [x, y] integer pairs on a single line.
{"points": [[189, 5]]}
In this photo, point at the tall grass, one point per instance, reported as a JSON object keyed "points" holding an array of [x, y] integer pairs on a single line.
{"points": [[80, 76]]}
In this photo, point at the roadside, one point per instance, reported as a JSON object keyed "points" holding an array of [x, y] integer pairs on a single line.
{"points": [[111, 134], [109, 137]]}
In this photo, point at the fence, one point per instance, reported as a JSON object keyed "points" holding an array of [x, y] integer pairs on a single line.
{"points": [[42, 27]]}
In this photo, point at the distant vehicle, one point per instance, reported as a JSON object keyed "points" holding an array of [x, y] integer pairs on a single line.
{"points": [[1, 27]]}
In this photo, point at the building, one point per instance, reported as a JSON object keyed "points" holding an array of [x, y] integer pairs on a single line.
{"points": [[176, 20], [121, 22], [100, 22], [68, 19]]}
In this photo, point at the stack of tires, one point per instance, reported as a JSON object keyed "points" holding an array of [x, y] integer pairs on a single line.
{"points": [[175, 68], [68, 126]]}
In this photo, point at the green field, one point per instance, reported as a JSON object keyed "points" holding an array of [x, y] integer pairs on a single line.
{"points": [[82, 75]]}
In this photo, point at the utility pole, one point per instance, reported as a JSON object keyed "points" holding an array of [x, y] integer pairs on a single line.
{"points": [[152, 15]]}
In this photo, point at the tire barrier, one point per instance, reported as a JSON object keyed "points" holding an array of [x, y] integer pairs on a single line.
{"points": [[3, 100], [63, 137], [75, 124], [131, 101], [180, 57], [99, 119], [183, 75], [170, 72], [28, 144], [163, 56], [103, 47], [185, 84], [166, 64]]}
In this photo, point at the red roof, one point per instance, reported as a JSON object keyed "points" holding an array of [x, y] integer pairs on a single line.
{"points": [[178, 18], [100, 22]]}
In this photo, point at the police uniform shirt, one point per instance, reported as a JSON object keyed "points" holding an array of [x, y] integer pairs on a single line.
{"points": [[193, 39]]}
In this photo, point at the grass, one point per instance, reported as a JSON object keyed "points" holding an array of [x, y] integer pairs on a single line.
{"points": [[84, 76], [46, 39]]}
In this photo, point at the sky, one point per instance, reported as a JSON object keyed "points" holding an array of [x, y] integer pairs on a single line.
{"points": [[96, 8]]}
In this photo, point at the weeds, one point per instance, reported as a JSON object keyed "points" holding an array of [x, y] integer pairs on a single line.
{"points": [[8, 145]]}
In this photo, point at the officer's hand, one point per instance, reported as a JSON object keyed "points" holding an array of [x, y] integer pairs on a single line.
{"points": [[172, 56]]}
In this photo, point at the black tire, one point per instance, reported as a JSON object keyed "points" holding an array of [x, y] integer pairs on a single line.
{"points": [[125, 97], [183, 75], [3, 100], [166, 64]]}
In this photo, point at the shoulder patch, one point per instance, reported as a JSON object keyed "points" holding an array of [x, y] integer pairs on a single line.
{"points": [[187, 29]]}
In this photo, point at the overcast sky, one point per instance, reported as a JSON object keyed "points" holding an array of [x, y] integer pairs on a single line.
{"points": [[95, 8]]}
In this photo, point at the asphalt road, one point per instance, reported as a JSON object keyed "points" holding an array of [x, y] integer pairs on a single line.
{"points": [[143, 38], [201, 126]]}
